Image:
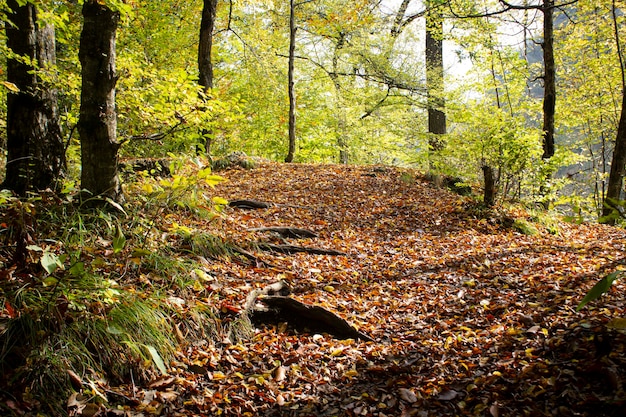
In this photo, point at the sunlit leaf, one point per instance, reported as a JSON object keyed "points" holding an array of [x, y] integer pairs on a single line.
{"points": [[50, 262], [156, 358], [10, 86]]}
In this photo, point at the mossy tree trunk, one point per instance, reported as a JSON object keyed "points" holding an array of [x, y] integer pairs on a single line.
{"points": [[97, 123], [35, 150]]}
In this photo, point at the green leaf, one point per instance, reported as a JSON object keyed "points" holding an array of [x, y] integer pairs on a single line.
{"points": [[600, 288], [117, 205], [156, 358], [77, 269], [221, 201], [213, 180], [50, 262], [50, 282], [114, 330], [139, 253], [119, 241], [34, 248]]}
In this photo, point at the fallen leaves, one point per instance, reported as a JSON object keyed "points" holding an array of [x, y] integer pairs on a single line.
{"points": [[468, 316]]}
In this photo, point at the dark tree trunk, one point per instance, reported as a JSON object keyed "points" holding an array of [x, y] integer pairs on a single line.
{"points": [[434, 77], [618, 165], [205, 46], [205, 62], [97, 124], [35, 151], [489, 196], [292, 94], [549, 92]]}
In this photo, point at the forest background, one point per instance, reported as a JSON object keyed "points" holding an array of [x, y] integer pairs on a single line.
{"points": [[361, 91]]}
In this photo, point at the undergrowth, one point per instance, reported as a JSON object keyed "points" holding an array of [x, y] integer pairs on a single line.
{"points": [[97, 293]]}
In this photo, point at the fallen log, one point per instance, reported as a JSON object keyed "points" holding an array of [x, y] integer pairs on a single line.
{"points": [[286, 232], [291, 249], [303, 317], [249, 204]]}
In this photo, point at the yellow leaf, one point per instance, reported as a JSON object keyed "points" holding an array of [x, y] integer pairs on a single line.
{"points": [[337, 352], [197, 286], [10, 86]]}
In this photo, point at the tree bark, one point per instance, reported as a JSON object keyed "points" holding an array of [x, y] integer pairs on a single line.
{"points": [[434, 77], [205, 46], [205, 61], [97, 124], [549, 89], [618, 163], [35, 151], [341, 113], [292, 95], [489, 195]]}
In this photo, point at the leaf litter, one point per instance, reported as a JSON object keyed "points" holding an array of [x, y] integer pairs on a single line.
{"points": [[468, 316]]}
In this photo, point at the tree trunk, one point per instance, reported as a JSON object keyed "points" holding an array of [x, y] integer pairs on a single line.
{"points": [[292, 95], [205, 62], [434, 77], [341, 132], [97, 124], [618, 164], [35, 151], [549, 91], [489, 195]]}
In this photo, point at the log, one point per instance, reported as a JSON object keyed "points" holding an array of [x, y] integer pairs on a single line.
{"points": [[286, 232], [249, 204], [291, 249], [303, 317]]}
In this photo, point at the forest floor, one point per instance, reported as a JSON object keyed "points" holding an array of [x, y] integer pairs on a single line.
{"points": [[468, 315]]}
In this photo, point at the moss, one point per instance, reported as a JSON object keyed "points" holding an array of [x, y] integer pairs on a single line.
{"points": [[525, 227]]}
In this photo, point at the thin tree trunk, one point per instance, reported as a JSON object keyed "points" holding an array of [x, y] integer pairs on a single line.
{"points": [[341, 113], [549, 92], [97, 124], [292, 95], [618, 163], [434, 77], [205, 62], [35, 151]]}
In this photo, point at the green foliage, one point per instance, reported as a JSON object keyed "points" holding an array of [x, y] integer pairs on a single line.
{"points": [[213, 247], [183, 191], [525, 227], [601, 287]]}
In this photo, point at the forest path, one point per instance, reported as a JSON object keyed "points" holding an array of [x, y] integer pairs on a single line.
{"points": [[468, 316]]}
